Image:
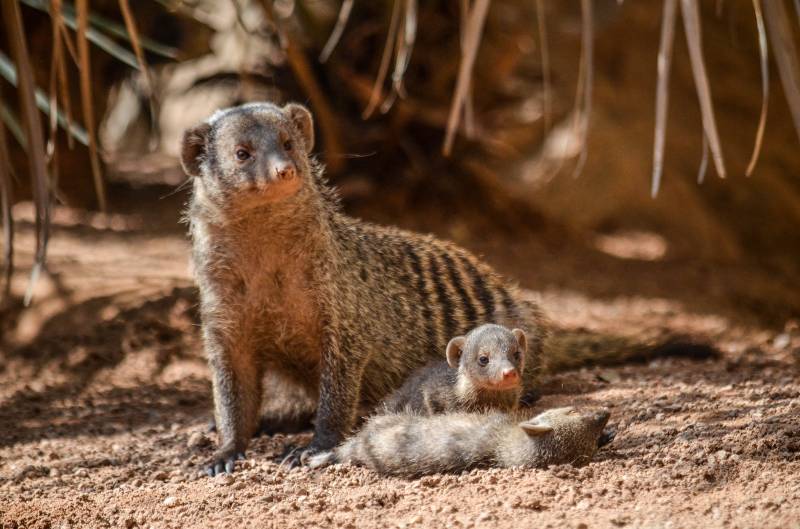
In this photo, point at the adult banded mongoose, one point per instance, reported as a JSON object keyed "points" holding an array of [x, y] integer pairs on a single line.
{"points": [[482, 371], [413, 445], [291, 285]]}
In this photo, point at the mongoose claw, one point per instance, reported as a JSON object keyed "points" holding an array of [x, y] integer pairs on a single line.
{"points": [[291, 457], [606, 437], [224, 463], [294, 456]]}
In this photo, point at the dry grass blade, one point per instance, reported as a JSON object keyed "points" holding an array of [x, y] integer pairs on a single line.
{"points": [[6, 199], [338, 30], [61, 67], [34, 134], [472, 37], [86, 101], [469, 109], [405, 45], [701, 172], [691, 24], [668, 19], [764, 56], [785, 52], [377, 88], [587, 45], [545, 51], [133, 34]]}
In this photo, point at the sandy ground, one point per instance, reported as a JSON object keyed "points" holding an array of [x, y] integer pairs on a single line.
{"points": [[104, 398]]}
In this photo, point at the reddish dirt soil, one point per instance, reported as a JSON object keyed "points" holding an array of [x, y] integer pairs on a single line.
{"points": [[104, 399]]}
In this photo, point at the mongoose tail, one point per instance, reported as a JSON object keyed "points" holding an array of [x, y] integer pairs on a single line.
{"points": [[413, 445], [572, 349]]}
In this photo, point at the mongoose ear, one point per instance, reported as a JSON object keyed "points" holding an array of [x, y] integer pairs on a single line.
{"points": [[454, 349], [193, 148], [522, 340], [302, 119], [535, 428]]}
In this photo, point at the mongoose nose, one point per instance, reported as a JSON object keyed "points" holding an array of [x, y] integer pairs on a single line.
{"points": [[510, 374], [284, 171]]}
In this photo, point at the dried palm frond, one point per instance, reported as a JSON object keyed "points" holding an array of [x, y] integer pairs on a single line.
{"points": [[86, 101], [472, 38], [785, 52], [668, 19], [691, 24], [34, 135], [130, 25], [764, 56], [587, 69], [6, 199], [383, 69], [338, 29], [545, 53]]}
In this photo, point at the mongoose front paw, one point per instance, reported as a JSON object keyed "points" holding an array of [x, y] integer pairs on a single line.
{"points": [[224, 461]]}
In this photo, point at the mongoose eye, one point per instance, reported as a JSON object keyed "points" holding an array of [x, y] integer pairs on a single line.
{"points": [[483, 360], [242, 155], [287, 145], [517, 356]]}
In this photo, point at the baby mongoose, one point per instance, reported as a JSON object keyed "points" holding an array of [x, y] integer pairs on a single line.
{"points": [[483, 371], [412, 445]]}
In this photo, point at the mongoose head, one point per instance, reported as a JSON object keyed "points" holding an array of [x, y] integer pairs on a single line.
{"points": [[490, 356], [251, 154], [566, 435]]}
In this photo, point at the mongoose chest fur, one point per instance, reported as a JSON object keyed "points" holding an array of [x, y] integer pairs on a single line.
{"points": [[290, 284], [482, 371]]}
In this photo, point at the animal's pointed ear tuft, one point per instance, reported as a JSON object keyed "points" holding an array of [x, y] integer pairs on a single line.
{"points": [[302, 119], [522, 340], [194, 148], [454, 349], [534, 427]]}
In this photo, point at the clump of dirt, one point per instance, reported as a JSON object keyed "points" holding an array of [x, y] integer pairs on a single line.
{"points": [[105, 397]]}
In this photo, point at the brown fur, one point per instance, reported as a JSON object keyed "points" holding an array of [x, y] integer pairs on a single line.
{"points": [[412, 445], [288, 283], [461, 382]]}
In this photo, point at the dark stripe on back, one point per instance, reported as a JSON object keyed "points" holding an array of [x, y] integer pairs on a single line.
{"points": [[458, 283], [508, 303], [422, 291], [480, 289], [444, 299]]}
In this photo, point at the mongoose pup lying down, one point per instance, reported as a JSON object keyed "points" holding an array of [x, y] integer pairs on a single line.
{"points": [[483, 371], [291, 285], [412, 445]]}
